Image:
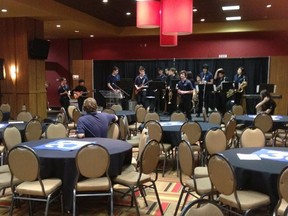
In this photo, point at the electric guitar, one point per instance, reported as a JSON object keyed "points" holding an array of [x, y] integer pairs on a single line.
{"points": [[141, 87]]}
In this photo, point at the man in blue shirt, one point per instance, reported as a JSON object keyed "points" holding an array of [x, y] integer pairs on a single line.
{"points": [[141, 82], [113, 78], [94, 124]]}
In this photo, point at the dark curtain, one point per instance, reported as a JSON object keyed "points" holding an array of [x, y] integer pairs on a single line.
{"points": [[256, 71]]}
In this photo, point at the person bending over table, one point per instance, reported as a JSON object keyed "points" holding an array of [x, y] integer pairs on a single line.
{"points": [[94, 124], [267, 104]]}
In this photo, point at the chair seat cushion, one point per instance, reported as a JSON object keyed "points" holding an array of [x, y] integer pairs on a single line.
{"points": [[248, 199], [134, 142], [34, 188], [4, 168], [93, 184], [200, 172], [282, 207], [130, 178], [166, 147], [203, 185]]}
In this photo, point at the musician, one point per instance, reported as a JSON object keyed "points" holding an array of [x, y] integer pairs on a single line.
{"points": [[161, 76], [160, 93], [172, 91], [267, 104], [80, 93], [220, 94], [185, 90], [240, 82], [64, 93], [113, 78], [205, 77], [141, 86]]}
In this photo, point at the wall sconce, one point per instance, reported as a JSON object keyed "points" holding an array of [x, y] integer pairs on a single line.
{"points": [[13, 72], [75, 77]]}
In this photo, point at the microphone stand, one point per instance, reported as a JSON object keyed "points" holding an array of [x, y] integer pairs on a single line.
{"points": [[203, 107], [121, 89]]}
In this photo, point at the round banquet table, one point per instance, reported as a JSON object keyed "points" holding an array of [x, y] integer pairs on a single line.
{"points": [[259, 175], [129, 114], [172, 134], [278, 120], [61, 164]]}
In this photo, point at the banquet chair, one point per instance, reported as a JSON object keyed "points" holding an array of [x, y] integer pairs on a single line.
{"points": [[155, 132], [282, 206], [109, 111], [24, 116], [140, 117], [113, 131], [151, 116], [230, 132], [116, 107], [33, 130], [11, 137], [252, 137], [226, 118], [191, 132], [6, 110], [215, 118], [203, 207], [92, 162], [65, 116], [76, 114], [124, 132], [25, 166], [215, 142], [178, 116], [200, 185], [70, 111], [280, 137], [237, 110], [264, 122], [138, 180], [56, 130], [224, 181]]}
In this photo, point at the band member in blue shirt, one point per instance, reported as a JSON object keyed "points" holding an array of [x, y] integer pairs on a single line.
{"points": [[141, 82]]}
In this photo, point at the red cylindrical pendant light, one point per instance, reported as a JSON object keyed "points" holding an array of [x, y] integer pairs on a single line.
{"points": [[177, 17], [148, 14], [167, 40]]}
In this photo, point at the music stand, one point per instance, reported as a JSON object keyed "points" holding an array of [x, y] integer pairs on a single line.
{"points": [[226, 86], [204, 89], [269, 87], [173, 83], [153, 92]]}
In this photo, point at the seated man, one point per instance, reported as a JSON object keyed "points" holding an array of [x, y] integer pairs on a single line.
{"points": [[93, 124], [267, 104]]}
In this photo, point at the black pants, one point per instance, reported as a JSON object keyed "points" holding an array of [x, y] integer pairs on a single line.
{"points": [[65, 102], [185, 106], [141, 98]]}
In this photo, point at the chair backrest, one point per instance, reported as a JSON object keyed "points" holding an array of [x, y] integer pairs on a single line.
{"points": [[282, 190], [113, 131], [191, 131], [215, 141], [65, 116], [143, 139], [178, 116], [23, 163], [24, 116], [109, 111], [186, 158], [227, 117], [57, 130], [76, 115], [150, 157], [230, 129], [5, 107], [123, 126], [60, 118], [137, 106], [221, 174], [152, 116], [237, 110], [11, 137], [1, 115], [252, 137], [116, 107], [264, 122], [70, 111], [33, 130], [215, 118], [140, 114], [154, 129], [203, 207], [92, 161]]}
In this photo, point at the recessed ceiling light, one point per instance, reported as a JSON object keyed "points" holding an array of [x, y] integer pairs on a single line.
{"points": [[269, 6], [202, 20], [58, 26], [91, 35], [233, 18], [195, 10], [105, 1], [76, 31], [4, 10], [128, 13], [232, 7]]}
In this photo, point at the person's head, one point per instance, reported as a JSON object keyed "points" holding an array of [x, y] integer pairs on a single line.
{"points": [[264, 93], [63, 80], [183, 74], [115, 70], [172, 71], [205, 68], [167, 71], [142, 70], [189, 75], [240, 71], [81, 82], [160, 71], [90, 105], [221, 72]]}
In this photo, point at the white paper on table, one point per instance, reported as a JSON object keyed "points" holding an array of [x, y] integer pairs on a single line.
{"points": [[248, 156]]}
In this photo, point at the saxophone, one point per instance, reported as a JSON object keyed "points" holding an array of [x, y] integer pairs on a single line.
{"points": [[170, 95], [241, 88]]}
